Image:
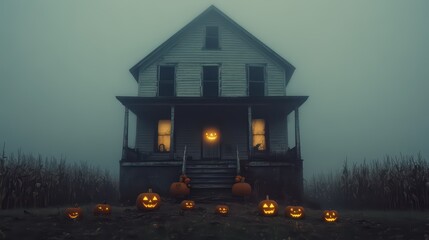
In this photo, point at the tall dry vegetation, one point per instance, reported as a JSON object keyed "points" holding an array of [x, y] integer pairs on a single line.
{"points": [[28, 181], [393, 183]]}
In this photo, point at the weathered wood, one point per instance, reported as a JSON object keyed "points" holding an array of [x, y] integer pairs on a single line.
{"points": [[297, 135], [249, 123], [125, 136], [270, 164], [151, 164]]}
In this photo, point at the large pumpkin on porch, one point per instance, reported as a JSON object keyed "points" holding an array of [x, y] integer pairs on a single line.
{"points": [[148, 200], [268, 207], [241, 188]]}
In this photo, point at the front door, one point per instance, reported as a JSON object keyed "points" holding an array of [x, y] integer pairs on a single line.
{"points": [[211, 143]]}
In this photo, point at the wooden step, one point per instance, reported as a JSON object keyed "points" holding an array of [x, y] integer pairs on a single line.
{"points": [[212, 180], [188, 166], [210, 185], [191, 171]]}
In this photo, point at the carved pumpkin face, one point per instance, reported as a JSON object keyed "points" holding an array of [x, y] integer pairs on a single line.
{"points": [[102, 209], [211, 135], [187, 205], [148, 200], [330, 216], [268, 207], [222, 210], [294, 212], [73, 213]]}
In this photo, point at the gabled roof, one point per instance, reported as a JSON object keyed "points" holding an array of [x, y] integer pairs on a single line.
{"points": [[151, 57]]}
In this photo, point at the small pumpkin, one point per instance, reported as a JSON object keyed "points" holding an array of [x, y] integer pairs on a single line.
{"points": [[102, 209], [222, 210], [148, 200], [296, 212], [74, 213], [330, 216], [241, 188], [238, 178], [268, 207], [187, 205]]}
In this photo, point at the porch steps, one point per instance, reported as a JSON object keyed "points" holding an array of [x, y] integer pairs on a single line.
{"points": [[211, 174]]}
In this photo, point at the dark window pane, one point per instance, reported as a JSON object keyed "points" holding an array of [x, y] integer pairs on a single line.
{"points": [[210, 89], [256, 89], [212, 37], [166, 89], [210, 73], [166, 73], [256, 74]]}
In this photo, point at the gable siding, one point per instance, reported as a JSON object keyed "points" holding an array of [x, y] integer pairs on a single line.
{"points": [[235, 53]]}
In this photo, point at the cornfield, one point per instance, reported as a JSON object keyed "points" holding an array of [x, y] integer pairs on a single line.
{"points": [[393, 183], [28, 181]]}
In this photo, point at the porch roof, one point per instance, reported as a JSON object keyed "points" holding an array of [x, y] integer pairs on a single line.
{"points": [[289, 102]]}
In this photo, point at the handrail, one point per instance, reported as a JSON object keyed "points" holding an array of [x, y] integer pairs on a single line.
{"points": [[238, 162], [184, 162]]}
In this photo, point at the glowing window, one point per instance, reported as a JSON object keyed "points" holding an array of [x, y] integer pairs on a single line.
{"points": [[258, 134], [164, 132]]}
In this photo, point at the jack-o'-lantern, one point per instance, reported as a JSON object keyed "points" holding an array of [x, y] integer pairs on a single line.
{"points": [[102, 209], [187, 205], [268, 207], [148, 200], [74, 213], [180, 188], [330, 216], [241, 188], [222, 210], [211, 135], [296, 212]]}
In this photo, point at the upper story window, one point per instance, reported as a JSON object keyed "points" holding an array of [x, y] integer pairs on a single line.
{"points": [[210, 81], [166, 77], [256, 80], [212, 37]]}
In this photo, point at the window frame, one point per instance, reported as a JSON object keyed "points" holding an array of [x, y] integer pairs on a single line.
{"points": [[205, 47], [159, 79], [218, 79], [263, 83], [157, 135]]}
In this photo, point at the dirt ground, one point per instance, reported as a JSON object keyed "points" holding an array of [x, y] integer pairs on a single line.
{"points": [[243, 222]]}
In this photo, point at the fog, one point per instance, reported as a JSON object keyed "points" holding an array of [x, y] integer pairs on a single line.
{"points": [[364, 65]]}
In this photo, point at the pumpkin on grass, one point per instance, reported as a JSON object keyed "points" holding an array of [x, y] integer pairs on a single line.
{"points": [[74, 213], [268, 207], [295, 212], [330, 216], [148, 200], [187, 205], [102, 209], [222, 210], [180, 188]]}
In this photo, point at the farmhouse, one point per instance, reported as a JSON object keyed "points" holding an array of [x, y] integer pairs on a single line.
{"points": [[211, 103]]}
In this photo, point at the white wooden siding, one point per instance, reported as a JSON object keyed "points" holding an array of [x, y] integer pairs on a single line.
{"points": [[278, 136], [145, 135], [235, 52]]}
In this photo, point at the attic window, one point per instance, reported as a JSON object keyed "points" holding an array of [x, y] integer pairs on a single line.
{"points": [[256, 78], [166, 80], [212, 37]]}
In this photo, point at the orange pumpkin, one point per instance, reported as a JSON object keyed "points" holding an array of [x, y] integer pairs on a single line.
{"points": [[148, 200], [187, 205], [268, 207], [296, 212], [238, 178], [222, 210], [330, 216], [74, 213], [180, 188], [241, 188], [102, 209]]}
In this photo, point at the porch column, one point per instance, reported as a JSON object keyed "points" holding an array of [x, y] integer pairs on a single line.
{"points": [[125, 136], [297, 137], [249, 123], [172, 133]]}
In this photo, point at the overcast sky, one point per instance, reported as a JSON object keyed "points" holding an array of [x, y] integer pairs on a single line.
{"points": [[364, 64]]}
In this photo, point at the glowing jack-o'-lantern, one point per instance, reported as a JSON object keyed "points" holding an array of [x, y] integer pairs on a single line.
{"points": [[211, 135], [330, 216], [296, 212], [268, 207], [102, 209], [187, 205], [74, 213], [148, 200], [222, 210]]}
